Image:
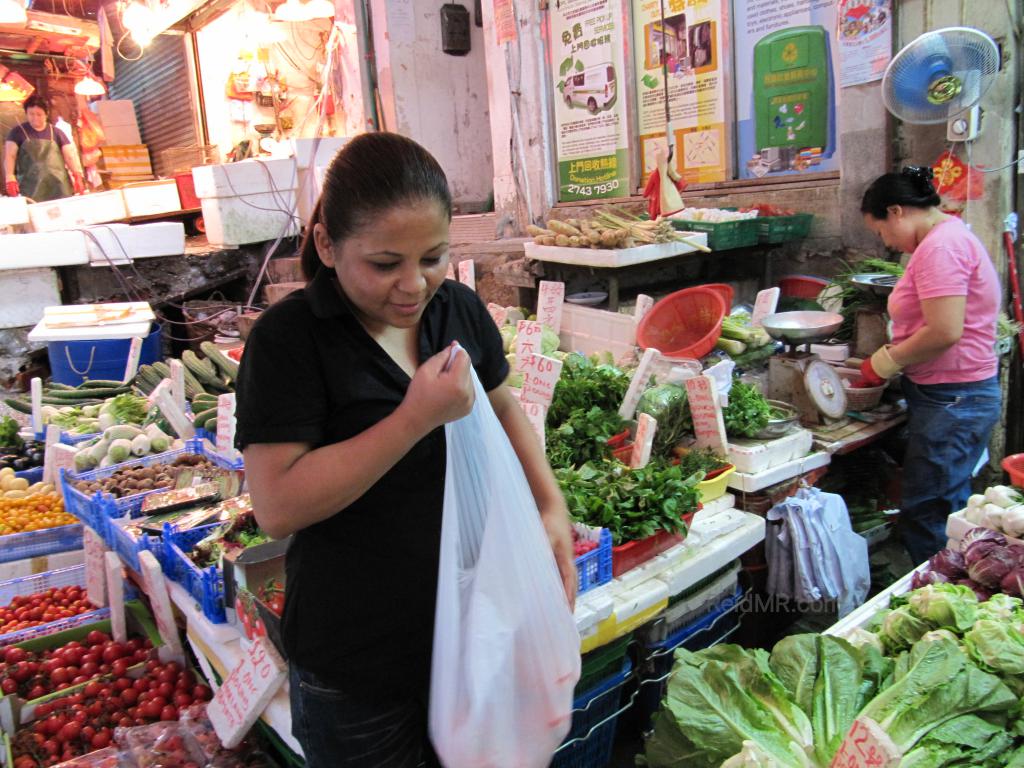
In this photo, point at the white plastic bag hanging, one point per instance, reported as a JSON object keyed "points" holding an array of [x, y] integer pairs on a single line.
{"points": [[506, 651]]}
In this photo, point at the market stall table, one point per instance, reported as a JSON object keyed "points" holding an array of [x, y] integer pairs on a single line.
{"points": [[845, 438]]}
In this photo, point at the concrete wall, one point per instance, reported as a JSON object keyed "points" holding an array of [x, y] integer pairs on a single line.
{"points": [[437, 99]]}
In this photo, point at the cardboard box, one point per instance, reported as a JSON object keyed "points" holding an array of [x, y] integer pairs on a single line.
{"points": [[121, 134], [115, 112], [126, 160]]}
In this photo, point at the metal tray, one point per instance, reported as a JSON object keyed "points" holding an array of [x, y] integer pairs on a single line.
{"points": [[802, 327], [878, 283]]}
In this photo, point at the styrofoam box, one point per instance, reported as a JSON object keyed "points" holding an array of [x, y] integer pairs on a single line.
{"points": [[250, 218], [326, 148], [310, 186], [148, 198], [18, 568], [120, 243], [751, 483], [753, 456], [26, 292], [43, 249], [77, 211], [958, 526], [118, 135], [707, 558], [115, 112], [249, 177], [13, 211], [589, 330]]}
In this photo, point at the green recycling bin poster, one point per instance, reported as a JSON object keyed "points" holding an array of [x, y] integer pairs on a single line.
{"points": [[588, 63]]}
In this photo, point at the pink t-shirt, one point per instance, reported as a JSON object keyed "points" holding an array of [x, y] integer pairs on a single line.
{"points": [[950, 261]]}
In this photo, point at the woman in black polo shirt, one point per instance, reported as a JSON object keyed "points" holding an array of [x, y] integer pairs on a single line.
{"points": [[342, 400]]}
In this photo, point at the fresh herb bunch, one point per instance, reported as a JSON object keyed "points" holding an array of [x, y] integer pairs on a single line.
{"points": [[748, 411], [9, 437], [583, 437], [855, 298], [700, 460], [667, 404], [631, 503], [584, 385]]}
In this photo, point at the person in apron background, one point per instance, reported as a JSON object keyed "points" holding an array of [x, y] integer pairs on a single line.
{"points": [[38, 157]]}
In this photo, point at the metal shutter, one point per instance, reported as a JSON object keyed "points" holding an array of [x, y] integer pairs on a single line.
{"points": [[158, 84]]}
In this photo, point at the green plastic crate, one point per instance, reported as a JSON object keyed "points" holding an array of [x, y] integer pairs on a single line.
{"points": [[722, 235], [780, 229], [602, 662]]}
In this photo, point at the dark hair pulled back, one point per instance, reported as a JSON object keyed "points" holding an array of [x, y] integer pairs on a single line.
{"points": [[910, 188], [373, 172], [35, 100]]}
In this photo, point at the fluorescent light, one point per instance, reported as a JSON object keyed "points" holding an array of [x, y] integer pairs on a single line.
{"points": [[320, 9], [293, 11], [90, 86], [139, 19], [12, 12]]}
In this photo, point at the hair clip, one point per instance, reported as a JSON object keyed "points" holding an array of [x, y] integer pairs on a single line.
{"points": [[923, 172]]}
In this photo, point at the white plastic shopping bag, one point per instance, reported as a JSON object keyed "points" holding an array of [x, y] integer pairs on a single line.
{"points": [[506, 650]]}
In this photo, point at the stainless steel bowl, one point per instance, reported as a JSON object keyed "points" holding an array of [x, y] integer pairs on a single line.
{"points": [[779, 427], [878, 283], [802, 327]]}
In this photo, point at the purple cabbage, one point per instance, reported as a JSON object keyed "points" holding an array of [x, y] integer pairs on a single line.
{"points": [[982, 593], [1018, 552], [1013, 582], [990, 569], [949, 563], [980, 549], [923, 578], [979, 533]]}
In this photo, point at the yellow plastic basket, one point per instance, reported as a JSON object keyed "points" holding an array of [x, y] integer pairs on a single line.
{"points": [[715, 488]]}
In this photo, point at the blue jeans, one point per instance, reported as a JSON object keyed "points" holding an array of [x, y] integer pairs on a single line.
{"points": [[949, 428], [338, 729]]}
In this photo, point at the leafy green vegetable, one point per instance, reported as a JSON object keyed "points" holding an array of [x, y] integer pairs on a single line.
{"points": [[583, 437], [668, 405], [996, 646], [631, 503], [129, 409], [901, 628], [950, 606], [583, 385], [9, 437], [748, 411], [703, 460], [963, 741]]}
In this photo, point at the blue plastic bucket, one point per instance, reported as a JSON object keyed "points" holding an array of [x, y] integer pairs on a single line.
{"points": [[72, 362]]}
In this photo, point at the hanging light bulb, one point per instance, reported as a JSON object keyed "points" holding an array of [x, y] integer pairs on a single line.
{"points": [[320, 9], [90, 86], [13, 12], [140, 21], [292, 11], [273, 33]]}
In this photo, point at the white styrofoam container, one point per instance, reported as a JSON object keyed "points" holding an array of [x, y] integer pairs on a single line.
{"points": [[32, 565], [326, 148], [639, 599], [43, 249], [310, 186], [958, 526], [148, 198], [590, 331], [77, 211], [753, 456], [618, 257], [249, 219], [860, 617], [13, 211], [249, 177], [26, 292], [115, 111], [120, 243], [751, 483], [132, 319], [715, 554]]}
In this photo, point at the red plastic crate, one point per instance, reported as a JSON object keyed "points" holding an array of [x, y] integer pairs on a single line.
{"points": [[628, 556], [187, 191], [802, 286]]}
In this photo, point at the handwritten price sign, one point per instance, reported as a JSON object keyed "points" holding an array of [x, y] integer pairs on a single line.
{"points": [[467, 273], [95, 567], [540, 374], [637, 385], [528, 335], [764, 305], [646, 426], [155, 586], [708, 425], [226, 424], [866, 746], [246, 691], [536, 414], [498, 313], [551, 296], [644, 303]]}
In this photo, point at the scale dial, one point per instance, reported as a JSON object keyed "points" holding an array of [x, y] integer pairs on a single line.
{"points": [[825, 389]]}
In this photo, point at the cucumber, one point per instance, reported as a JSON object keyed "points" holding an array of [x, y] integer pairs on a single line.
{"points": [[202, 416], [18, 405], [58, 385], [210, 425], [227, 366], [101, 384]]}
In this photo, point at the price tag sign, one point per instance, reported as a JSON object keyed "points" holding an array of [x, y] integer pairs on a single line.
{"points": [[37, 404], [643, 306], [160, 601], [540, 375], [536, 414], [498, 313], [528, 336], [178, 383], [246, 691], [637, 385], [646, 426], [134, 354], [115, 589], [95, 567], [708, 425], [450, 274], [226, 426], [551, 296], [765, 304], [58, 456], [179, 422], [867, 746], [467, 273]]}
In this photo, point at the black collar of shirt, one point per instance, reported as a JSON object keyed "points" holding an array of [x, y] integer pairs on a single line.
{"points": [[327, 300]]}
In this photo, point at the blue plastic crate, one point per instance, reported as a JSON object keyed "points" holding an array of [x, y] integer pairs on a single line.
{"points": [[206, 585], [49, 541], [594, 568], [127, 546], [68, 438], [34, 475], [132, 505], [590, 739], [93, 510]]}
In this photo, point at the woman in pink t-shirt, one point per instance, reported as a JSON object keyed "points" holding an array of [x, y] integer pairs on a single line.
{"points": [[943, 312]]}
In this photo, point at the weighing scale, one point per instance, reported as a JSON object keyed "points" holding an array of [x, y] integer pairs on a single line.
{"points": [[871, 324], [800, 377]]}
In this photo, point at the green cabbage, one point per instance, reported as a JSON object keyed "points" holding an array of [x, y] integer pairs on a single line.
{"points": [[949, 606], [901, 628], [996, 646]]}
